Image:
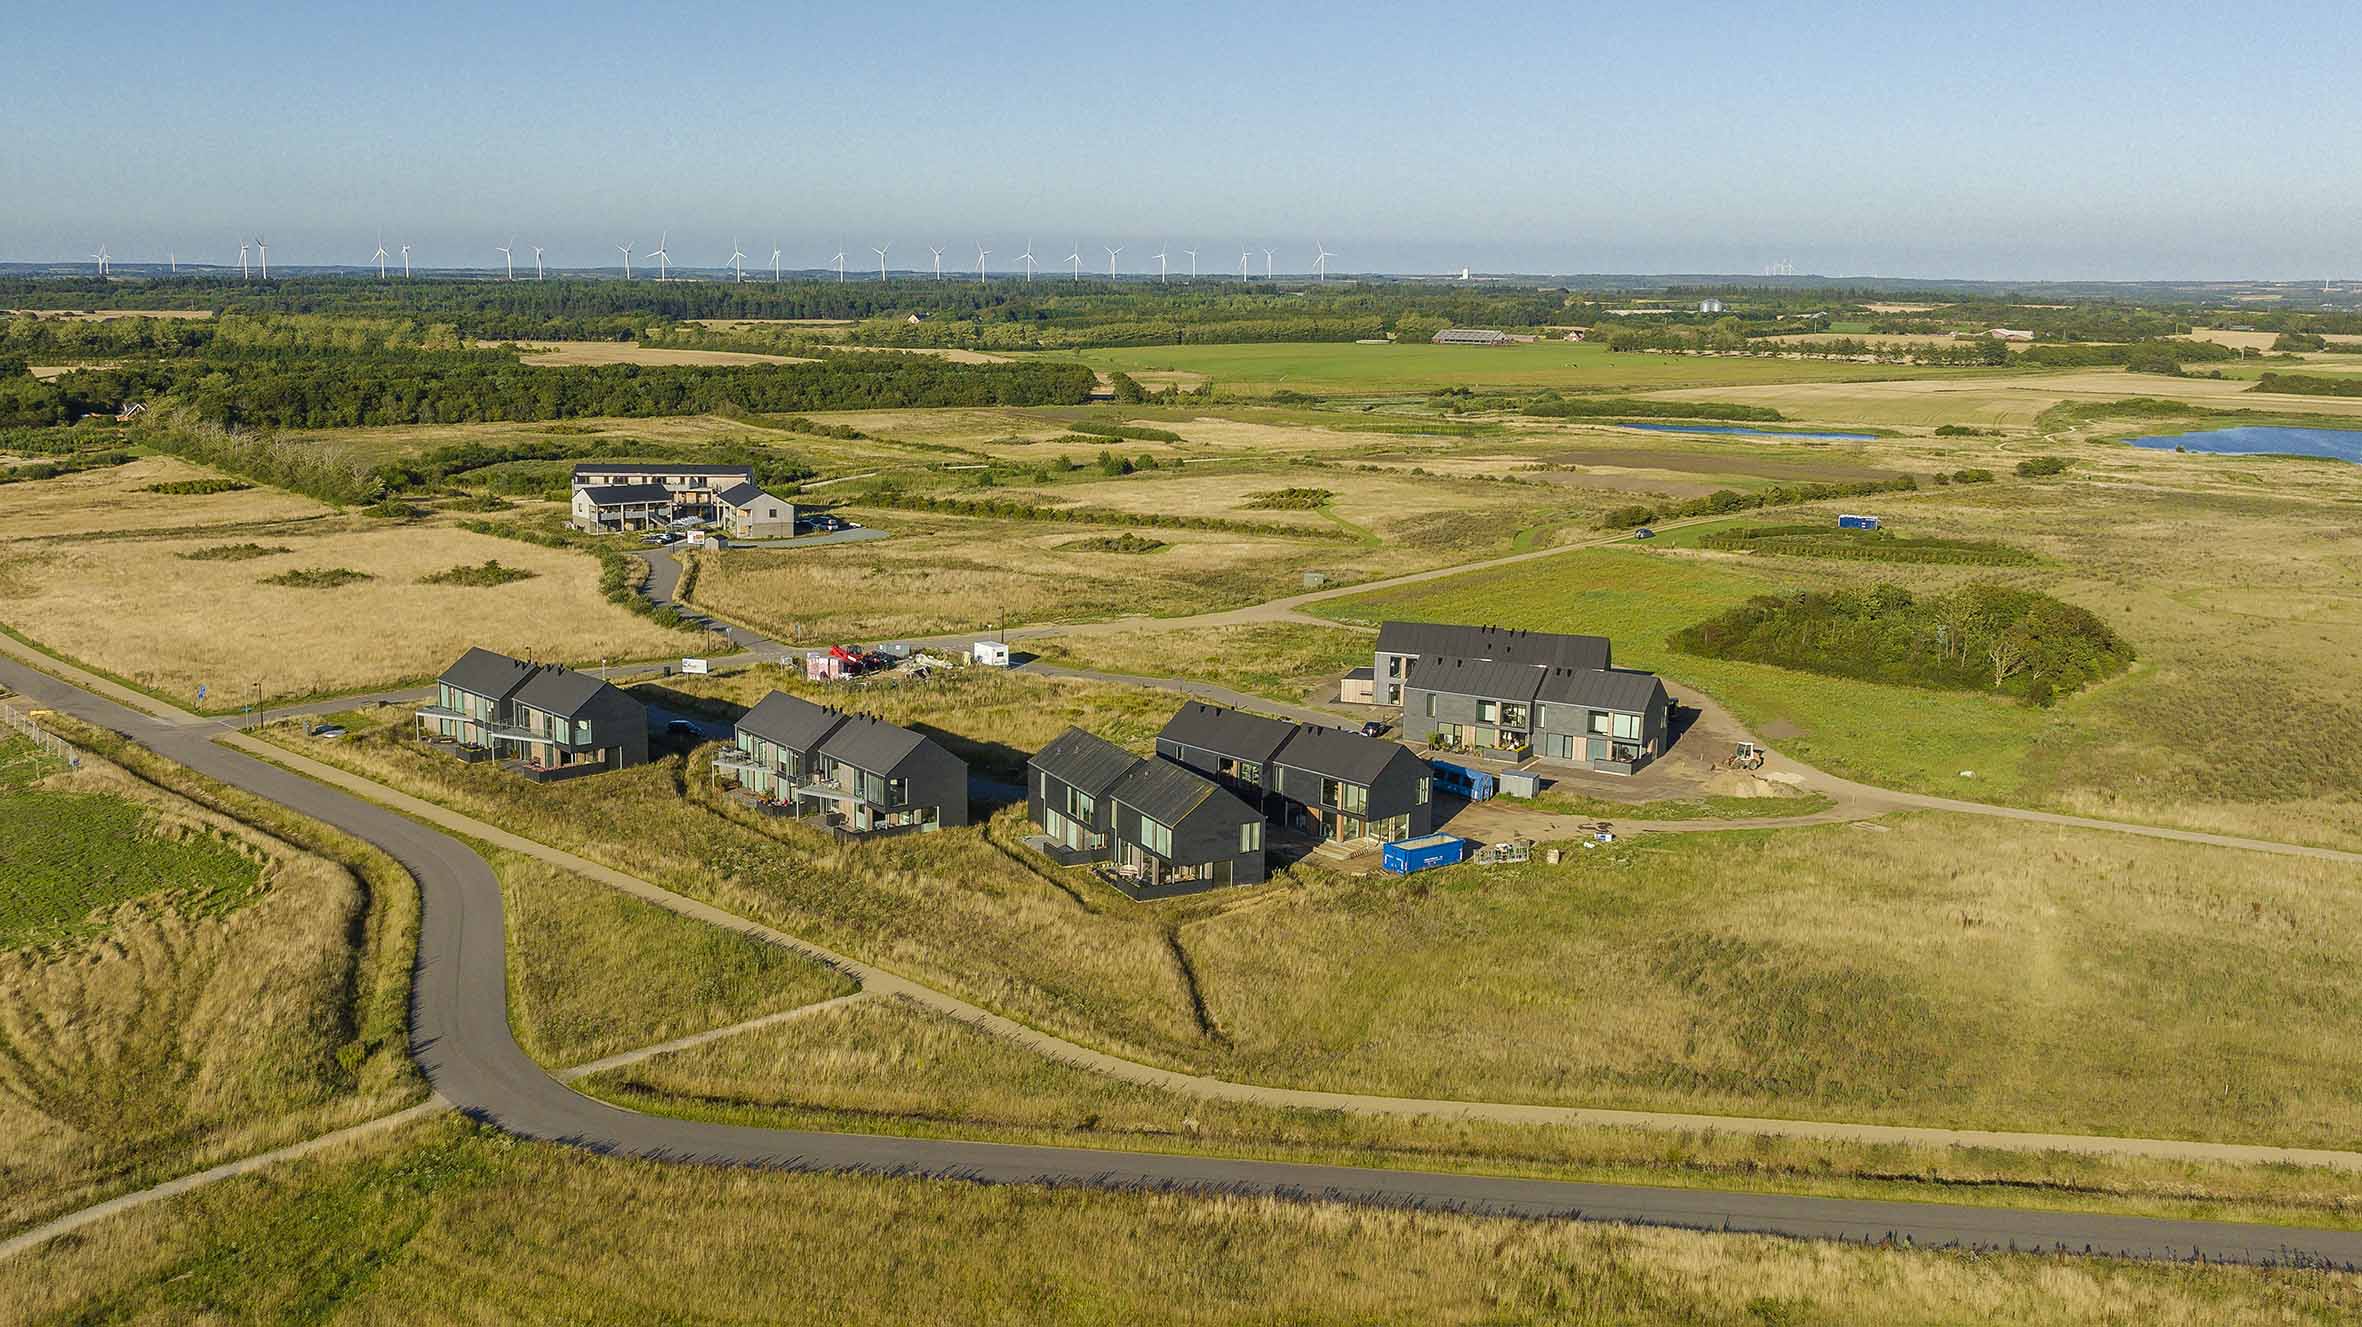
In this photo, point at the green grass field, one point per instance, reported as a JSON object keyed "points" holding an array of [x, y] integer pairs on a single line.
{"points": [[1350, 368], [65, 856]]}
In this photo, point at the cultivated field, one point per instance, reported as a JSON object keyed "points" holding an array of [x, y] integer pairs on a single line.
{"points": [[146, 612], [449, 1223], [2011, 401], [198, 987], [116, 499], [1348, 368]]}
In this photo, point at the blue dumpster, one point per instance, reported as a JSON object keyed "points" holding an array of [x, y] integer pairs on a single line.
{"points": [[1408, 855], [1461, 781]]}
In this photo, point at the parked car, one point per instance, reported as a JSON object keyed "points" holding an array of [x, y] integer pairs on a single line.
{"points": [[328, 730], [828, 524], [684, 728], [1644, 533], [1374, 728]]}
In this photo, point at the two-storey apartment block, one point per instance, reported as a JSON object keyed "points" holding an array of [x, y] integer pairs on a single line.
{"points": [[1403, 645], [1163, 829], [612, 496], [541, 720], [1322, 781], [864, 775], [1614, 720]]}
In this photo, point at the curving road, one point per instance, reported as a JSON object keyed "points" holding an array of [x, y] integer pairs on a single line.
{"points": [[461, 1038]]}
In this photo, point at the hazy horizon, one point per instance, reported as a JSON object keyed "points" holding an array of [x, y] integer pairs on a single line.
{"points": [[2007, 143]]}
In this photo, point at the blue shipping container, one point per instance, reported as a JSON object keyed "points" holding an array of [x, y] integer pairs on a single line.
{"points": [[1410, 855], [1460, 781], [1857, 522]]}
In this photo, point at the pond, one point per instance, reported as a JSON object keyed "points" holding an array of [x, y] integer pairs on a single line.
{"points": [[2333, 444], [1751, 433]]}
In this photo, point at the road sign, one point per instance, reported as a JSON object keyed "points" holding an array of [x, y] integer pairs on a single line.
{"points": [[694, 666]]}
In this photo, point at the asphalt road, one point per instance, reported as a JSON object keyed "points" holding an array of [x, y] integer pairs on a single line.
{"points": [[461, 1038]]}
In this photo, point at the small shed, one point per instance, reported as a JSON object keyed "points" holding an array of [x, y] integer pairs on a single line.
{"points": [[1520, 783], [991, 653]]}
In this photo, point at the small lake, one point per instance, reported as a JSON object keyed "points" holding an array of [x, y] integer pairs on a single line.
{"points": [[1738, 431], [2333, 444]]}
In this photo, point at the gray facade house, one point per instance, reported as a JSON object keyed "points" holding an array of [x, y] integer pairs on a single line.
{"points": [[615, 495], [865, 776], [1163, 830], [747, 512], [1614, 720], [1401, 646], [540, 720], [607, 508], [1326, 782]]}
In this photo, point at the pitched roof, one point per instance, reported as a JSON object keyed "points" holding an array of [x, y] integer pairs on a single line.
{"points": [[1602, 688], [872, 744], [741, 495], [1541, 648], [559, 691], [486, 673], [1167, 793], [1246, 736], [1084, 760], [791, 721], [1336, 754], [668, 468], [1493, 679], [614, 495]]}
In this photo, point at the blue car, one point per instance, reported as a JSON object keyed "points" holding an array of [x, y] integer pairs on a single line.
{"points": [[1644, 533]]}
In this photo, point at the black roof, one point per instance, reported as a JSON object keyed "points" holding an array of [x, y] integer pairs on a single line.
{"points": [[559, 691], [1336, 754], [1084, 760], [550, 688], [668, 468], [611, 495], [1602, 688], [1168, 794], [1547, 649], [1494, 679], [873, 744], [740, 495], [1246, 736], [791, 721], [486, 673]]}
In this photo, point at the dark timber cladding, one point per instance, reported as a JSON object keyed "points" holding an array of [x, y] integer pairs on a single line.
{"points": [[1323, 781], [1165, 830], [865, 775], [540, 720]]}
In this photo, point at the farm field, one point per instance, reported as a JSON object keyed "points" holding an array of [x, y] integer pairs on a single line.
{"points": [[554, 353], [116, 499], [1350, 368], [449, 1222], [187, 976], [2011, 401], [889, 1066], [146, 611]]}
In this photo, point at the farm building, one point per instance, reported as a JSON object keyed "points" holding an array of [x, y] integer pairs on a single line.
{"points": [[1471, 336], [1161, 829], [1325, 782], [540, 720], [865, 776]]}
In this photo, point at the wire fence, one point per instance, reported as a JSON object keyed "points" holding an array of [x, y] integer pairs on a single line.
{"points": [[23, 726]]}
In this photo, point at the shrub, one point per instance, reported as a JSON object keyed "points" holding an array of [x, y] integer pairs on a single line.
{"points": [[1127, 542], [1828, 541], [1723, 501], [318, 578], [1133, 432], [2034, 466], [1963, 431], [490, 573], [232, 553], [1289, 499], [1972, 476], [392, 509], [192, 487]]}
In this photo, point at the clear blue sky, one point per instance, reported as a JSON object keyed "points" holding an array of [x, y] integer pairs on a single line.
{"points": [[2002, 139]]}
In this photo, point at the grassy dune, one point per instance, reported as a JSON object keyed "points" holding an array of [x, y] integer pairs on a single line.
{"points": [[448, 1224]]}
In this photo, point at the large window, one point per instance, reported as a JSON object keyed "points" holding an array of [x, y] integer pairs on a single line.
{"points": [[1430, 704], [1513, 716], [1345, 796], [1599, 722], [1394, 665], [582, 735], [1250, 836], [1081, 805], [1425, 787], [1251, 771], [1627, 726], [1156, 837], [1488, 711]]}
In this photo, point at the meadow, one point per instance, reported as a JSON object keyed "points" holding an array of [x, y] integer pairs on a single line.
{"points": [[1286, 661], [2012, 401], [450, 1223], [147, 612], [117, 500], [223, 1011]]}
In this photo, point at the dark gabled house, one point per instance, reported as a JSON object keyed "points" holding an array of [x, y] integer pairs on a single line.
{"points": [[607, 508], [618, 495], [542, 720], [748, 512], [1521, 693], [1615, 720], [1165, 830], [1402, 646], [866, 775], [1323, 781]]}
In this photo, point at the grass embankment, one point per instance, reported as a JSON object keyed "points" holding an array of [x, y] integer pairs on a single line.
{"points": [[222, 1013], [886, 1066], [593, 971], [451, 1223]]}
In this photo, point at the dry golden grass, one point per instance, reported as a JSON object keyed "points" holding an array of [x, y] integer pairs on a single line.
{"points": [[181, 1038], [888, 1066], [571, 353], [448, 1223], [98, 501], [2235, 340], [1285, 660], [141, 611], [1997, 402]]}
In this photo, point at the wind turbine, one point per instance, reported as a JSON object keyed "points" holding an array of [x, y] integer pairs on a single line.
{"points": [[1111, 253], [627, 260], [737, 260], [938, 261], [509, 258], [839, 260], [101, 259], [774, 264], [881, 253], [537, 262], [264, 249], [1077, 259], [1160, 267], [1267, 264], [380, 257], [1321, 261], [663, 256], [243, 274], [172, 256], [1027, 259], [1242, 266], [405, 260], [1192, 263], [981, 252]]}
